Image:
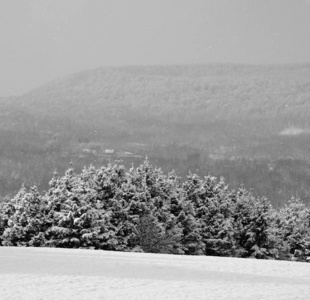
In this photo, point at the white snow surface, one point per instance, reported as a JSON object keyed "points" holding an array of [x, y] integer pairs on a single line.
{"points": [[45, 273]]}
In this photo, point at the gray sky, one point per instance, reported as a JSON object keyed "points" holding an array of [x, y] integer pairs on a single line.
{"points": [[45, 39]]}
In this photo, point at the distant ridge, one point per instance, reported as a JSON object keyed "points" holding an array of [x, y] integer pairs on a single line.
{"points": [[181, 93]]}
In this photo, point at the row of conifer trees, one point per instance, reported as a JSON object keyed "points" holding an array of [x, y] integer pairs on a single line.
{"points": [[142, 209]]}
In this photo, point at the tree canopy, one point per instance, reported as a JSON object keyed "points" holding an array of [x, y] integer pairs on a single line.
{"points": [[143, 209]]}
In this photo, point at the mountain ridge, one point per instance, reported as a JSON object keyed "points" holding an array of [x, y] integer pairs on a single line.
{"points": [[219, 92]]}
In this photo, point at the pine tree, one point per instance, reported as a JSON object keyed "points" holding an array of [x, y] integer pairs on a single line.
{"points": [[293, 227], [212, 205], [25, 219], [253, 219]]}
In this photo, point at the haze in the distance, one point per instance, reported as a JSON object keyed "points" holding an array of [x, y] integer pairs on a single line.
{"points": [[45, 39]]}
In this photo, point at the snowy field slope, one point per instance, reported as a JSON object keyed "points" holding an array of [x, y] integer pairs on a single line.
{"points": [[44, 273]]}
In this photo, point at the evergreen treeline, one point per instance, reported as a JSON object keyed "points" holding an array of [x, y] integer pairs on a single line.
{"points": [[144, 210]]}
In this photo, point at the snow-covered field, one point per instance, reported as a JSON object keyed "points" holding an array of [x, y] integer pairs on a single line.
{"points": [[44, 273]]}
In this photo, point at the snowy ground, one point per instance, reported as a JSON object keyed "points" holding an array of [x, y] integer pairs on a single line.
{"points": [[44, 273]]}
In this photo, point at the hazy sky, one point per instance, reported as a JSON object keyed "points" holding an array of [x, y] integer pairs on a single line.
{"points": [[45, 39]]}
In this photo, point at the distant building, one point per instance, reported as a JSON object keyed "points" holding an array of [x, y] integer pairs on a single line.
{"points": [[109, 151], [89, 151]]}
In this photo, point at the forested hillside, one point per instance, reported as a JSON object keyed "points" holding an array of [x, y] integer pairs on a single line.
{"points": [[249, 124], [179, 94]]}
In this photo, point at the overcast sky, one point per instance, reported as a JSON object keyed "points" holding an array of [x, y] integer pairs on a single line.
{"points": [[45, 39]]}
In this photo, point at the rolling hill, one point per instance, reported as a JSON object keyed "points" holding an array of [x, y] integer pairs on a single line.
{"points": [[130, 100], [186, 117], [180, 94]]}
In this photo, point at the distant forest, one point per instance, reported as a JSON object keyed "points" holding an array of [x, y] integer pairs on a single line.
{"points": [[248, 124]]}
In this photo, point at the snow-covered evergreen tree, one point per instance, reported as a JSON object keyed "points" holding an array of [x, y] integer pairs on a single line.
{"points": [[293, 227], [213, 210], [25, 219], [252, 226]]}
